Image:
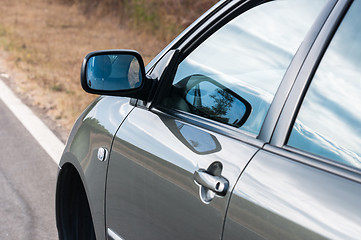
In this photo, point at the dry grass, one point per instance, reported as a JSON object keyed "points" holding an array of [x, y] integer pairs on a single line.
{"points": [[161, 18], [47, 41]]}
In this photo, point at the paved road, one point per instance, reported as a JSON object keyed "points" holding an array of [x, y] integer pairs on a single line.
{"points": [[27, 183]]}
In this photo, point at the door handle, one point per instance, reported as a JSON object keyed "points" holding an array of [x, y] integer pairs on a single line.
{"points": [[217, 184]]}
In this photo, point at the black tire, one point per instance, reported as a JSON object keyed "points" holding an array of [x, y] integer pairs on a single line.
{"points": [[74, 220]]}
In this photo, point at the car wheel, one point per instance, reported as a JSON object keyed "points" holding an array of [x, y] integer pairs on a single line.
{"points": [[74, 220]]}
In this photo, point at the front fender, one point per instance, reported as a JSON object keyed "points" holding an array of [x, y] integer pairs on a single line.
{"points": [[95, 128]]}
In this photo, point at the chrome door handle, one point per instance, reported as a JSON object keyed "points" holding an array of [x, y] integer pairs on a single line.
{"points": [[217, 184]]}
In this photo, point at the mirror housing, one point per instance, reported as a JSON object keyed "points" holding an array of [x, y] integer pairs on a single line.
{"points": [[116, 73]]}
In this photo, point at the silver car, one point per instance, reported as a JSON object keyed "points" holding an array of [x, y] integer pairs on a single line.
{"points": [[246, 126]]}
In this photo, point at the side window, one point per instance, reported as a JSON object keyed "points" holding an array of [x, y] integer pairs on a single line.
{"points": [[233, 75], [329, 121]]}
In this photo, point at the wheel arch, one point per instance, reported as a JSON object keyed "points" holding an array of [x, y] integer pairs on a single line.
{"points": [[74, 218]]}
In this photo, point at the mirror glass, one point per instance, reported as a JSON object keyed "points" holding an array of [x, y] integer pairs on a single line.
{"points": [[210, 99], [113, 72]]}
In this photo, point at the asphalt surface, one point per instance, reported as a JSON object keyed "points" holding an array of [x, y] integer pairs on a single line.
{"points": [[27, 183]]}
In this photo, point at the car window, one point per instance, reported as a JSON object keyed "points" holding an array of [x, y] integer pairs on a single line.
{"points": [[233, 75], [329, 121]]}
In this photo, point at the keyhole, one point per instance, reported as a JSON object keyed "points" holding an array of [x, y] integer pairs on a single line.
{"points": [[217, 185]]}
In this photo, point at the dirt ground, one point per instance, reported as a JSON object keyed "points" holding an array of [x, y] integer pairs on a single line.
{"points": [[42, 44]]}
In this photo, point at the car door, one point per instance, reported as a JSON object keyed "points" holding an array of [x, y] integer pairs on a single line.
{"points": [[175, 160], [306, 183]]}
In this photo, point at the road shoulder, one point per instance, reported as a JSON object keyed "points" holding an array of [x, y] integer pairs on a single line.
{"points": [[44, 136]]}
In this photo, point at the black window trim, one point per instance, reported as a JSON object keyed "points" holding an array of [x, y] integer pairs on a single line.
{"points": [[289, 78], [195, 36], [201, 33], [314, 161], [210, 125], [217, 9], [289, 112], [304, 77], [227, 11]]}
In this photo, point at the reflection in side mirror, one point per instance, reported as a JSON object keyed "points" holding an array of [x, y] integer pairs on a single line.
{"points": [[212, 100], [113, 72], [196, 139]]}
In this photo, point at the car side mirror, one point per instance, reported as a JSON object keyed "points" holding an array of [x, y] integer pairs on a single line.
{"points": [[115, 73]]}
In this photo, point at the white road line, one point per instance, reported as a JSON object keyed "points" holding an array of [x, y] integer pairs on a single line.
{"points": [[45, 137]]}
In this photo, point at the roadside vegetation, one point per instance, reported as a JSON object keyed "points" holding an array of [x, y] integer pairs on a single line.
{"points": [[163, 19], [43, 43]]}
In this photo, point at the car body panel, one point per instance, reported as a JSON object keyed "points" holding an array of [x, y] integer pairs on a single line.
{"points": [[95, 128], [150, 186], [278, 198], [285, 193]]}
